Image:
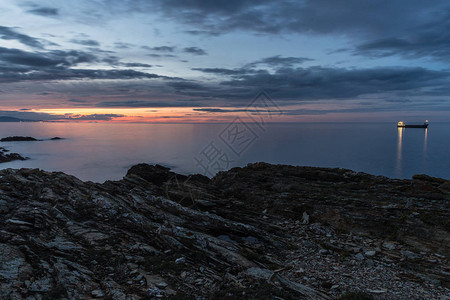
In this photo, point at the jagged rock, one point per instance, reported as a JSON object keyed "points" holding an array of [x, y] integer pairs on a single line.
{"points": [[158, 234], [154, 174]]}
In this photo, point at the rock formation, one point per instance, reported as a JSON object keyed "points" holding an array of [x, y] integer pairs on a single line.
{"points": [[259, 232], [6, 157], [18, 139]]}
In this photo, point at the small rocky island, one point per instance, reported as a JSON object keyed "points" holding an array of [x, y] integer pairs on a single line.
{"points": [[18, 139], [25, 139], [259, 232]]}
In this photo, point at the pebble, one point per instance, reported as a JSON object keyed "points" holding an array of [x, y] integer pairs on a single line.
{"points": [[359, 256], [97, 293], [180, 260]]}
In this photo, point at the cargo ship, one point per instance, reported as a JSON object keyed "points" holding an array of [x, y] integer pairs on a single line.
{"points": [[402, 124]]}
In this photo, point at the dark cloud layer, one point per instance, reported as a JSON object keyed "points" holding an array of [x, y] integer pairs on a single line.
{"points": [[142, 103], [319, 16], [223, 71], [222, 110], [91, 43], [279, 61], [160, 48], [93, 117], [324, 83], [195, 51], [409, 28], [44, 11], [8, 33], [18, 65]]}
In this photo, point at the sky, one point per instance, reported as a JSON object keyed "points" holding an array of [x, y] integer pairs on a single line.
{"points": [[206, 61]]}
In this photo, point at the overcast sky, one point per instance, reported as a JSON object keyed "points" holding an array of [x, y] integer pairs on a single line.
{"points": [[194, 60]]}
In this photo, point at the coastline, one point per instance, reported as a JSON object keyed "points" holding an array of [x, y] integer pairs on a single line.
{"points": [[262, 230]]}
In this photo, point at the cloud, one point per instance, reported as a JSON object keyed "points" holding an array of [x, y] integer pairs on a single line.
{"points": [[335, 83], [37, 59], [44, 11], [429, 38], [92, 117], [160, 55], [407, 28], [309, 16], [221, 110], [435, 44], [276, 62], [122, 45], [70, 74], [160, 48], [279, 61], [77, 100], [136, 65], [398, 100], [223, 71], [291, 85], [87, 42], [18, 65], [186, 85], [195, 51], [8, 33], [143, 103]]}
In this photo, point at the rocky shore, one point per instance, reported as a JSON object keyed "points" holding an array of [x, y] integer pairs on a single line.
{"points": [[6, 157], [259, 232]]}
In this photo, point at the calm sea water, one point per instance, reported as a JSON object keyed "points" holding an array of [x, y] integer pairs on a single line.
{"points": [[98, 152]]}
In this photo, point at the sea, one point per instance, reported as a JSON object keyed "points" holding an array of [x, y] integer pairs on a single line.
{"points": [[105, 151]]}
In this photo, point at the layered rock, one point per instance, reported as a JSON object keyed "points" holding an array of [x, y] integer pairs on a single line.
{"points": [[258, 232]]}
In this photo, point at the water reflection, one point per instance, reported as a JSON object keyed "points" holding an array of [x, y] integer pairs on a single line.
{"points": [[398, 167], [424, 159], [100, 152], [399, 161]]}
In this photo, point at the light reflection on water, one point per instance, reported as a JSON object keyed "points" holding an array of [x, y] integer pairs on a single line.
{"points": [[99, 152], [401, 132], [398, 168]]}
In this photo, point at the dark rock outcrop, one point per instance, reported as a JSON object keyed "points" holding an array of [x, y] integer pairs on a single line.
{"points": [[18, 139], [6, 157], [259, 232]]}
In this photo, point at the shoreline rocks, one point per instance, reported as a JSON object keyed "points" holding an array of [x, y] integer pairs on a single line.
{"points": [[7, 157], [242, 234]]}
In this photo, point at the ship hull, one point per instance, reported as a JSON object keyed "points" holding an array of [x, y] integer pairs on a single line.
{"points": [[414, 126]]}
